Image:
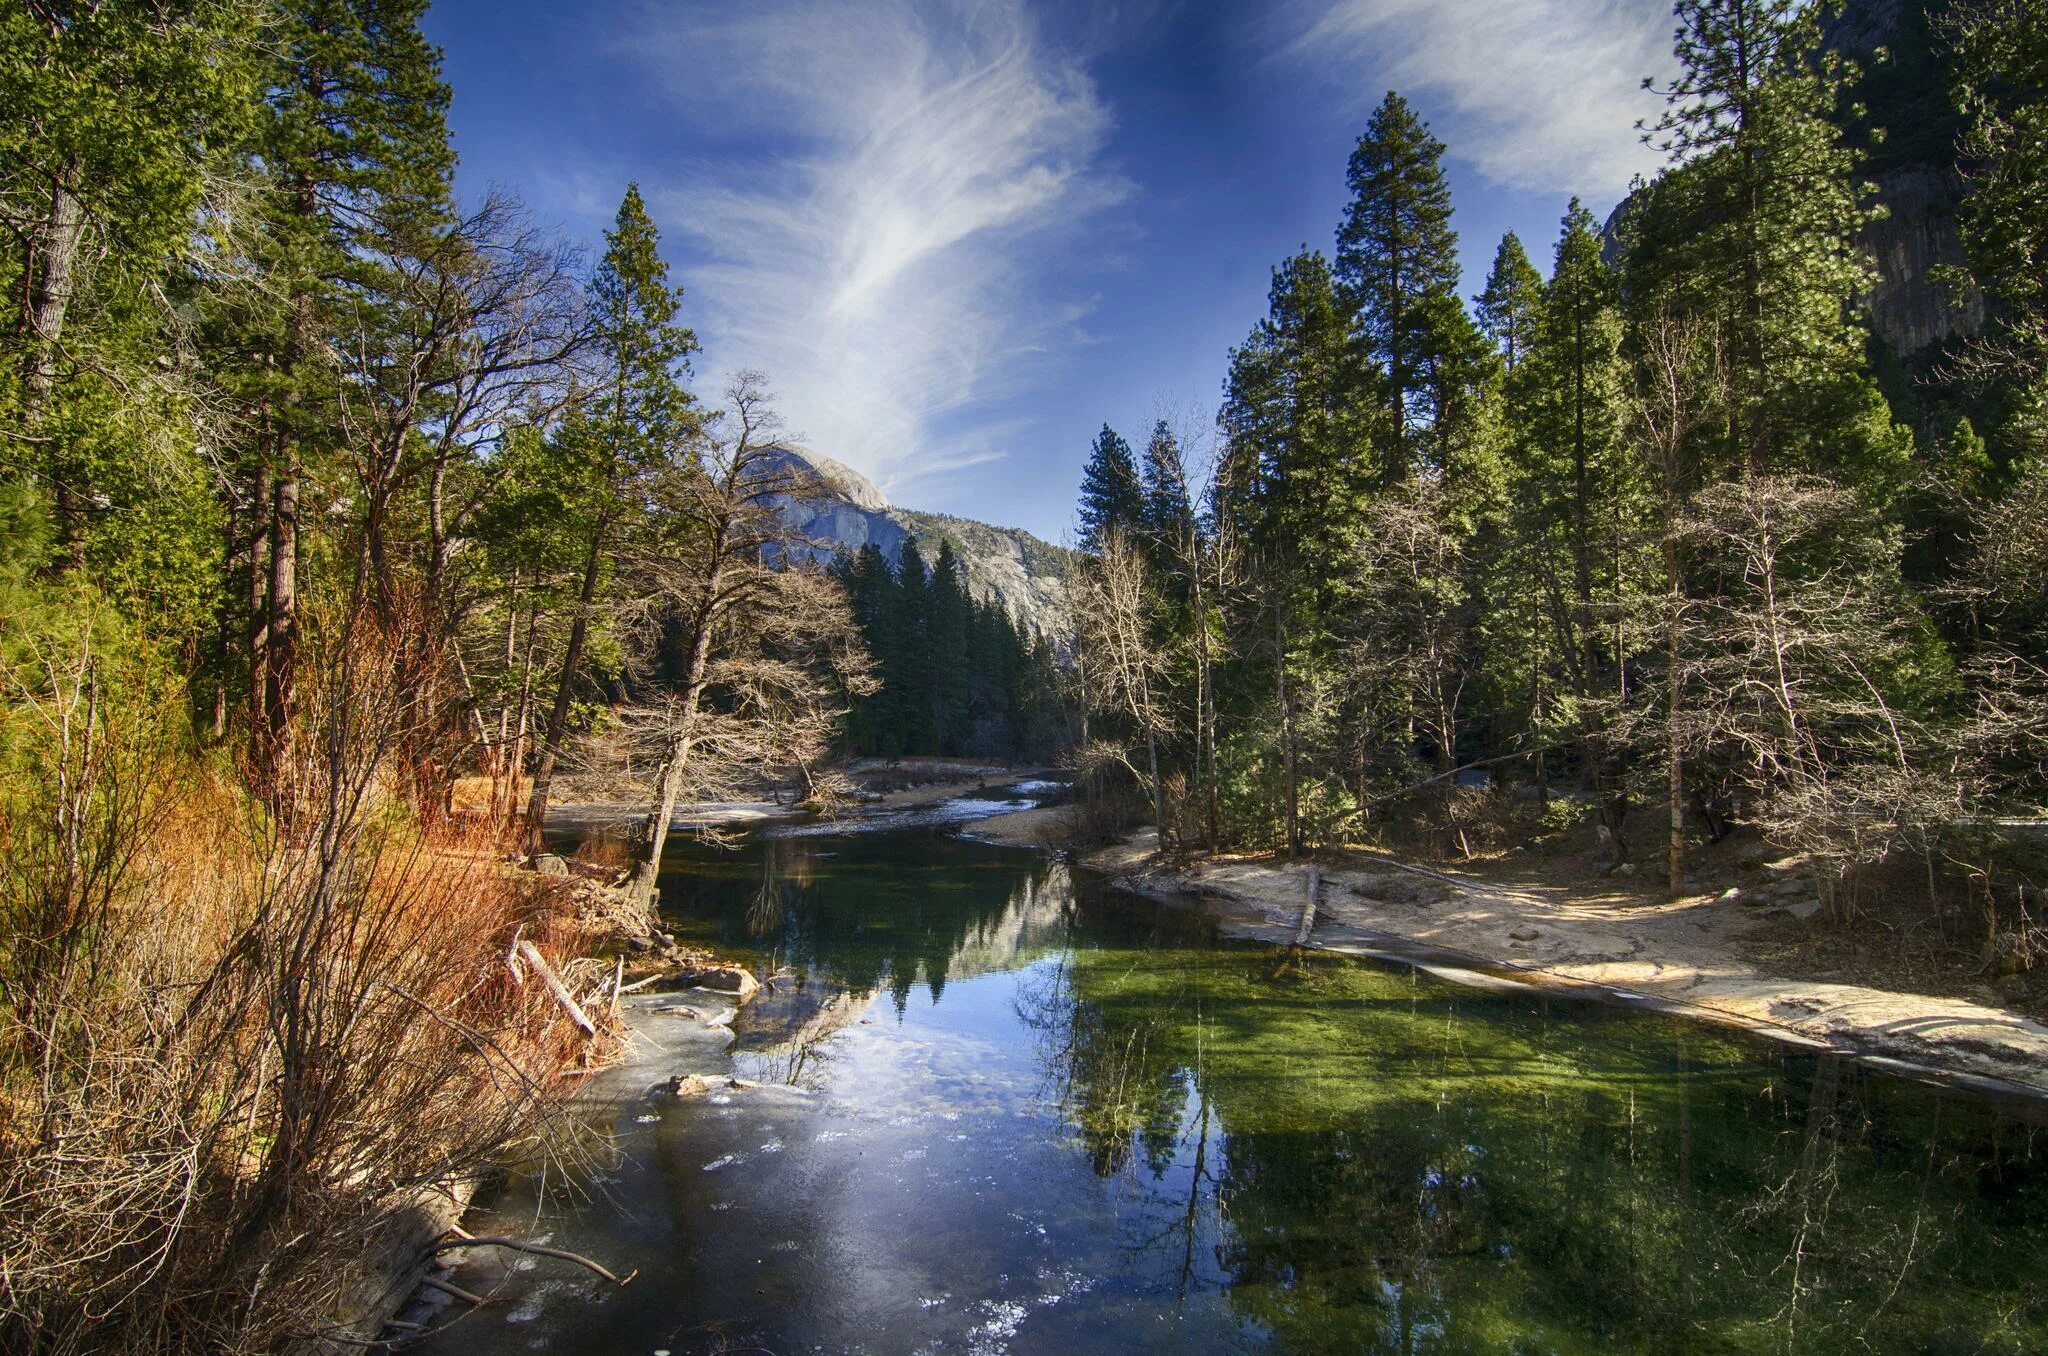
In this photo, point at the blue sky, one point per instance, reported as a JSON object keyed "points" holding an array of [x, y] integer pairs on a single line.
{"points": [[958, 235]]}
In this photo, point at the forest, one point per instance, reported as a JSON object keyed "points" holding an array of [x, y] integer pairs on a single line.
{"points": [[340, 518], [1660, 542], [348, 522], [957, 674]]}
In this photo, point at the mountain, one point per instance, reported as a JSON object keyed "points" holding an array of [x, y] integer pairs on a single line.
{"points": [[846, 511]]}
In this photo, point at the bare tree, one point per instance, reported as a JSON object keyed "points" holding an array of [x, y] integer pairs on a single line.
{"points": [[1797, 629], [1113, 606], [718, 590], [1677, 381]]}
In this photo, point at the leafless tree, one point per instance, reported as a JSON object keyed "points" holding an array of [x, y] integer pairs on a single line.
{"points": [[1797, 629], [1677, 383], [732, 606], [1113, 603]]}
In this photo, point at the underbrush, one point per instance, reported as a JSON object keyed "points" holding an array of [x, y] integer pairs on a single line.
{"points": [[240, 1035]]}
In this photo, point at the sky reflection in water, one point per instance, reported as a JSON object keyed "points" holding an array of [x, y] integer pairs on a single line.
{"points": [[1024, 1116]]}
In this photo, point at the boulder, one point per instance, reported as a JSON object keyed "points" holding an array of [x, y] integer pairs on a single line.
{"points": [[550, 864], [730, 979]]}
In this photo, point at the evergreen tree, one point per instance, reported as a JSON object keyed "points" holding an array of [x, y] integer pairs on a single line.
{"points": [[1507, 308], [949, 612], [1397, 264], [1579, 496], [2001, 73], [630, 425], [1756, 227], [908, 644], [1112, 497], [1169, 513]]}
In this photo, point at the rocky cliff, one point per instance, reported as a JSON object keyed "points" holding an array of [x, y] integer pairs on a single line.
{"points": [[846, 511], [1908, 135]]}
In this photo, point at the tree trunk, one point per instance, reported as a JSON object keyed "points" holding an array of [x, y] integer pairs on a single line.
{"points": [[558, 716], [653, 836], [281, 612], [1674, 745], [261, 535], [1287, 757], [59, 239]]}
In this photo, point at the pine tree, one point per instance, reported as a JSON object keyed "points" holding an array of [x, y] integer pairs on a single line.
{"points": [[2001, 73], [949, 610], [352, 146], [907, 629], [1756, 227], [1578, 493], [1112, 497], [1169, 514], [632, 423], [1507, 308], [1397, 265]]}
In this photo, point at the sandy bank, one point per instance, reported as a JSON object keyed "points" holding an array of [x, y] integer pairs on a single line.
{"points": [[1685, 957], [1033, 828]]}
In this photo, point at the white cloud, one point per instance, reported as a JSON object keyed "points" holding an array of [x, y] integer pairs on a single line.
{"points": [[878, 260], [1542, 94]]}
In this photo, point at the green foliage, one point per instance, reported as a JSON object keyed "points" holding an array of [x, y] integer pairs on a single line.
{"points": [[959, 675], [1397, 267], [1112, 496]]}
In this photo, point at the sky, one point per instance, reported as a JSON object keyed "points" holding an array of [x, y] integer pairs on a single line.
{"points": [[958, 236]]}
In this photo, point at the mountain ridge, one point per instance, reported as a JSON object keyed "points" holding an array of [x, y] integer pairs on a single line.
{"points": [[845, 511]]}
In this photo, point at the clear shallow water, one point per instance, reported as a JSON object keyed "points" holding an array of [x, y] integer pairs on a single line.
{"points": [[1017, 1113]]}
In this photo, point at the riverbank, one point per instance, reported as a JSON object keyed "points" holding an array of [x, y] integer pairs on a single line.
{"points": [[879, 786], [1690, 957]]}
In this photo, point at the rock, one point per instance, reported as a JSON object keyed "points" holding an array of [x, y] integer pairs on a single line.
{"points": [[730, 979], [639, 944], [839, 509], [549, 864], [1524, 934], [1624, 869], [1802, 909], [1751, 855], [690, 1085], [1735, 895]]}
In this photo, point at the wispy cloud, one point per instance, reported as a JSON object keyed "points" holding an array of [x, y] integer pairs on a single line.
{"points": [[1542, 94], [892, 174]]}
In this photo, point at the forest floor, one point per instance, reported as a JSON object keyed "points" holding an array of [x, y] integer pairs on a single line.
{"points": [[1712, 956]]}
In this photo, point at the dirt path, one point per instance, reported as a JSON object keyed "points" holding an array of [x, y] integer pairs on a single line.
{"points": [[1683, 957]]}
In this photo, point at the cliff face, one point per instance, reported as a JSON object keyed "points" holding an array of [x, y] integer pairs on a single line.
{"points": [[1908, 135], [1909, 132], [846, 511]]}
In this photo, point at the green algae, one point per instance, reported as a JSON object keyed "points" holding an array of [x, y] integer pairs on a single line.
{"points": [[1033, 1076]]}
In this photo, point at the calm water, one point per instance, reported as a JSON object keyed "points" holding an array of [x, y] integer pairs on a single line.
{"points": [[1022, 1114]]}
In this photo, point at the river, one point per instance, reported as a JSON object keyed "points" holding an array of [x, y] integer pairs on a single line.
{"points": [[1010, 1110]]}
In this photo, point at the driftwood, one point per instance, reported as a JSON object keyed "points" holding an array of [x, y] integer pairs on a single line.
{"points": [[1307, 924], [521, 1245], [468, 1297], [531, 954]]}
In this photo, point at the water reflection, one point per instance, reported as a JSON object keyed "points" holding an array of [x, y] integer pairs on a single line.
{"points": [[1359, 1157], [1029, 1115]]}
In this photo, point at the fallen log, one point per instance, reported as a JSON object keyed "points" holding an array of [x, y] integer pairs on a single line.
{"points": [[1307, 924], [532, 956], [521, 1245]]}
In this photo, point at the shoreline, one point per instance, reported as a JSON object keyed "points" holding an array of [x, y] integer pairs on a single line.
{"points": [[1674, 959]]}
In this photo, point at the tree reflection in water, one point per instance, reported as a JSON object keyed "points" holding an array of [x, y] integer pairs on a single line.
{"points": [[1362, 1156], [1344, 1155]]}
